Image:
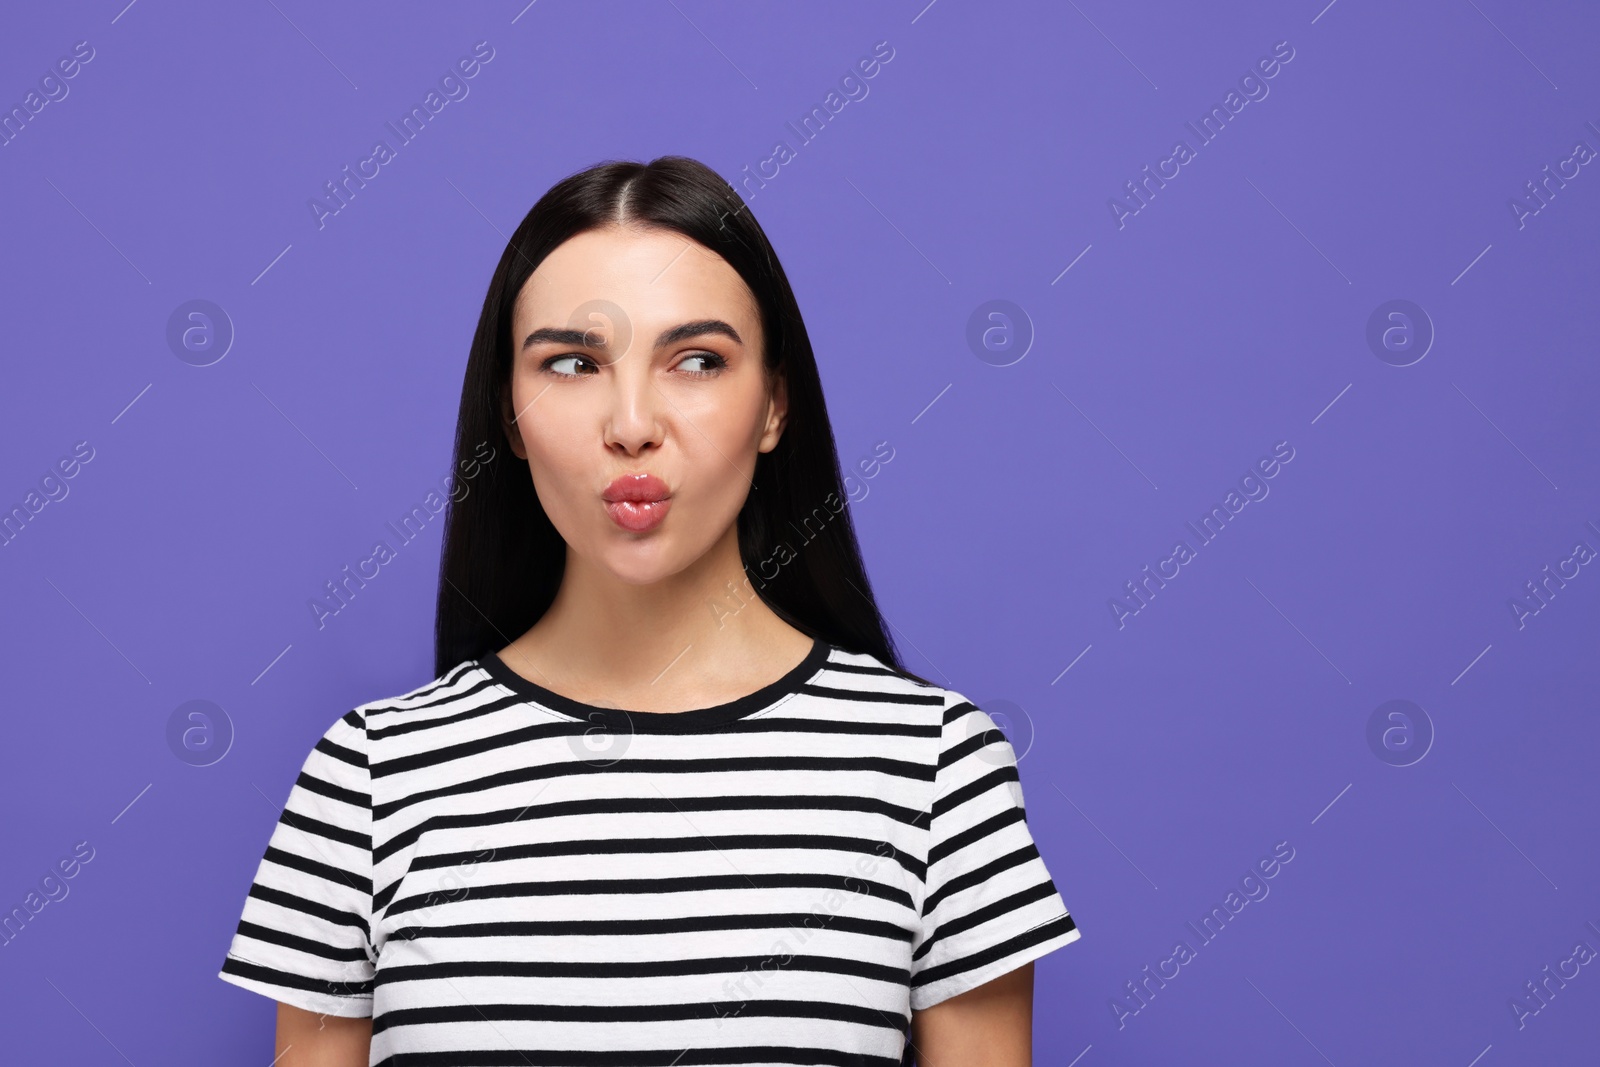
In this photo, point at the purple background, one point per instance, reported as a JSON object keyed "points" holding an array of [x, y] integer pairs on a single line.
{"points": [[1228, 314]]}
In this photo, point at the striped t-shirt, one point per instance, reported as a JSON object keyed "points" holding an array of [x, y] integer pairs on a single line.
{"points": [[498, 874]]}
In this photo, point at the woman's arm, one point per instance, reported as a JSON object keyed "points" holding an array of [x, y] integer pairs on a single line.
{"points": [[987, 1026], [307, 1039]]}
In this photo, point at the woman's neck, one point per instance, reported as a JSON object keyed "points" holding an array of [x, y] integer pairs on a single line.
{"points": [[697, 638]]}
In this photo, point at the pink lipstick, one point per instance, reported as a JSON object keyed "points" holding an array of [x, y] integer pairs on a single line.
{"points": [[637, 502]]}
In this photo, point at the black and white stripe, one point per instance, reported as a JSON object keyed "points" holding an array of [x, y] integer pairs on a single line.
{"points": [[501, 875]]}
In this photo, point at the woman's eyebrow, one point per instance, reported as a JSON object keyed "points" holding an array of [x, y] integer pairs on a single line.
{"points": [[555, 335], [583, 339], [700, 328]]}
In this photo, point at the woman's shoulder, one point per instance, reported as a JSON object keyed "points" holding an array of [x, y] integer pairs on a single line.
{"points": [[455, 683], [960, 717], [868, 669], [353, 727], [869, 675]]}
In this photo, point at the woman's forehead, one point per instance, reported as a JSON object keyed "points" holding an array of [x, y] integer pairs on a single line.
{"points": [[653, 277]]}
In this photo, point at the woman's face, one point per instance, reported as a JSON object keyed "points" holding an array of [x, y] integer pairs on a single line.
{"points": [[638, 351]]}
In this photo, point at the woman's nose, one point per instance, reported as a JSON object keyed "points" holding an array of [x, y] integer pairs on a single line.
{"points": [[634, 417]]}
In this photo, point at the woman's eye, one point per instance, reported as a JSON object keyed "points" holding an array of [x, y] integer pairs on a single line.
{"points": [[554, 364], [710, 363]]}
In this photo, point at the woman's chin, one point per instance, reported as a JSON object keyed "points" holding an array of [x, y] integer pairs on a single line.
{"points": [[640, 563]]}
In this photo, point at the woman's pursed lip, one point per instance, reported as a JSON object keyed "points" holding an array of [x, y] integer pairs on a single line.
{"points": [[635, 488]]}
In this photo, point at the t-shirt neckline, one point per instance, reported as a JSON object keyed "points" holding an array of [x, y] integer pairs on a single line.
{"points": [[640, 721]]}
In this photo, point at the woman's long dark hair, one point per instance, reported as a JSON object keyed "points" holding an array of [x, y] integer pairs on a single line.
{"points": [[503, 559]]}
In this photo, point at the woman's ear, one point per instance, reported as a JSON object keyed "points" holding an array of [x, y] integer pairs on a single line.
{"points": [[777, 411], [508, 423]]}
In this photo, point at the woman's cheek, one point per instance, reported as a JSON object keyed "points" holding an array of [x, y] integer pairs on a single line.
{"points": [[555, 483]]}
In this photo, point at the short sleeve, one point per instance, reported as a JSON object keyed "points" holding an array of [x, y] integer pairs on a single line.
{"points": [[305, 935], [990, 904]]}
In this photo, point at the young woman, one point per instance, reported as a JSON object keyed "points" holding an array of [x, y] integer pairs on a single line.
{"points": [[671, 798]]}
